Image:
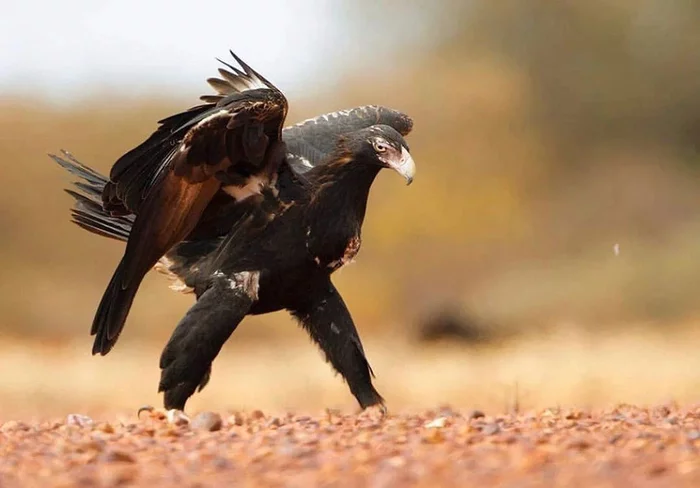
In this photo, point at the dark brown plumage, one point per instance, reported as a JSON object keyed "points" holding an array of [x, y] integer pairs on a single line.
{"points": [[249, 216]]}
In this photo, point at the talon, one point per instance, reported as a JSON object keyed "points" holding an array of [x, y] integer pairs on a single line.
{"points": [[177, 417], [145, 408]]}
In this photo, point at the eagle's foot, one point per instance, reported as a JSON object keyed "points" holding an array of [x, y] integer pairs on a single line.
{"points": [[177, 417], [173, 415], [374, 413]]}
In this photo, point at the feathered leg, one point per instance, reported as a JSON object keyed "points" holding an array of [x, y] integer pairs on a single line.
{"points": [[187, 358], [325, 316]]}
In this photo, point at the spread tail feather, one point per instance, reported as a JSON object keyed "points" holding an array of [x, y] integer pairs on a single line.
{"points": [[88, 211], [112, 312]]}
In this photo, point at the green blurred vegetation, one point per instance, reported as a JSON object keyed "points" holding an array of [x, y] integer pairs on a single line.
{"points": [[545, 134]]}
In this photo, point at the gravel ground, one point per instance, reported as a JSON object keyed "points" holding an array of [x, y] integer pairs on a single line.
{"points": [[615, 447]]}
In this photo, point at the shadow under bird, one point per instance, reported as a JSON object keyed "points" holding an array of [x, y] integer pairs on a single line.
{"points": [[248, 215]]}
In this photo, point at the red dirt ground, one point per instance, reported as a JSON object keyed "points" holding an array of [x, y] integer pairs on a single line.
{"points": [[623, 446]]}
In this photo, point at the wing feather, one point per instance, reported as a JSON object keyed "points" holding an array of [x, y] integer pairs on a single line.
{"points": [[168, 181]]}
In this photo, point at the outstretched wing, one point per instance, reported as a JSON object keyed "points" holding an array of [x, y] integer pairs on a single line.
{"points": [[232, 142], [232, 129], [311, 141]]}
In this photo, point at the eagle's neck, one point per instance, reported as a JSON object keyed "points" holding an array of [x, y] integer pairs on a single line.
{"points": [[343, 189], [337, 209]]}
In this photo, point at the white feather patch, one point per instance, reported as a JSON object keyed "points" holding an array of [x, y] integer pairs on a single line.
{"points": [[220, 113], [163, 266], [248, 281], [334, 115]]}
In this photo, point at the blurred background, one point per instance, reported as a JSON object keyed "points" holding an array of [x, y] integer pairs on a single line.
{"points": [[547, 252]]}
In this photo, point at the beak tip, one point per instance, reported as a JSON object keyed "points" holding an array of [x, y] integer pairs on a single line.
{"points": [[404, 166]]}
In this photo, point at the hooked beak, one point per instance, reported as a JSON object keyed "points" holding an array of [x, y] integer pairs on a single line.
{"points": [[404, 165]]}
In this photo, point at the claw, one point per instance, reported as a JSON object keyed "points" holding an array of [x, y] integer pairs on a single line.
{"points": [[145, 408]]}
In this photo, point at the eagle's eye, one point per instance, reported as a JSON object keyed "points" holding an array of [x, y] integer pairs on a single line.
{"points": [[380, 147]]}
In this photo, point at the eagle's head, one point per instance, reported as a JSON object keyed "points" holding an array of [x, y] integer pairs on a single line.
{"points": [[384, 146]]}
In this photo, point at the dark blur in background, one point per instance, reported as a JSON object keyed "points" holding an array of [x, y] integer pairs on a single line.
{"points": [[557, 145]]}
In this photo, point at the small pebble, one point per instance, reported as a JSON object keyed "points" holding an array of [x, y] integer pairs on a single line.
{"points": [[693, 435], [13, 425], [208, 421], [476, 414], [257, 415], [428, 448], [437, 423], [79, 420], [578, 444], [236, 419], [105, 427], [117, 456]]}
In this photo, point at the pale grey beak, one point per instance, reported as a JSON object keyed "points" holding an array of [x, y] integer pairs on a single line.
{"points": [[404, 166]]}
